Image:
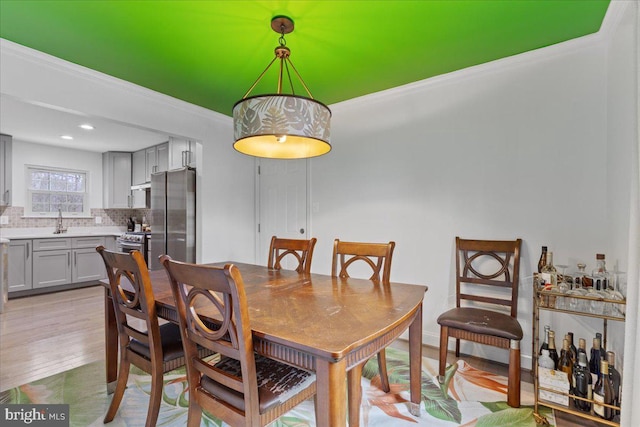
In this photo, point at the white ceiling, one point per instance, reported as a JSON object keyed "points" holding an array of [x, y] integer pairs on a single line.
{"points": [[44, 124]]}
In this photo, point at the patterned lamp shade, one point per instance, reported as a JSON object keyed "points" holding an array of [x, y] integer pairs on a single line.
{"points": [[281, 127]]}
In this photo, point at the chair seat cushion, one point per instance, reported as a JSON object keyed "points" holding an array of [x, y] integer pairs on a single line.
{"points": [[481, 321], [277, 382], [171, 343]]}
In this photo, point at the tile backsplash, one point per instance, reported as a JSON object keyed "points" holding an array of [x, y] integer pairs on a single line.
{"points": [[110, 217]]}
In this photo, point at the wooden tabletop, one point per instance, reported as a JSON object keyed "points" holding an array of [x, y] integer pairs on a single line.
{"points": [[318, 314]]}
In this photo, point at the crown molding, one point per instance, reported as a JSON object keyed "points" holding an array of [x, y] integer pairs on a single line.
{"points": [[75, 71]]}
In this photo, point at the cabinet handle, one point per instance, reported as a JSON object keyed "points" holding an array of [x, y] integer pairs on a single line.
{"points": [[184, 158], [28, 250], [68, 259], [75, 259]]}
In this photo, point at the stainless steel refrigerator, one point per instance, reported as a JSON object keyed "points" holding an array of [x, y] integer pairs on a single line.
{"points": [[173, 216]]}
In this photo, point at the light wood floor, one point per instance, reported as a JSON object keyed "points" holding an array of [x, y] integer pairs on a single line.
{"points": [[47, 334]]}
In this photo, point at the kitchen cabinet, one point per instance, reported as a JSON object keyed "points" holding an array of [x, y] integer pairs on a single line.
{"points": [[46, 262], [87, 264], [139, 167], [20, 261], [183, 153], [116, 180], [51, 262], [5, 169], [157, 160]]}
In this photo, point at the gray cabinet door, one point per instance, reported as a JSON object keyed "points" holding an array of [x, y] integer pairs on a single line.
{"points": [[5, 170], [51, 268], [87, 266], [162, 157], [20, 259], [116, 180], [139, 167]]}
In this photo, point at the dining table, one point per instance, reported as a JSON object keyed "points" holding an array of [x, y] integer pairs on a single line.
{"points": [[328, 325]]}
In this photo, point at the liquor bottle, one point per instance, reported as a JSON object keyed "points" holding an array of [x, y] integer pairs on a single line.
{"points": [[615, 378], [543, 259], [596, 358], [553, 353], [548, 272], [583, 384], [582, 346], [600, 274], [603, 393], [545, 344], [545, 361], [565, 364]]}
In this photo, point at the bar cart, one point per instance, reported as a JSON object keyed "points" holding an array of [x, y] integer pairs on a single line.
{"points": [[549, 300]]}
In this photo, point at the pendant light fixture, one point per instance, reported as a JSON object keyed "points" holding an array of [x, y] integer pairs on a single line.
{"points": [[281, 126]]}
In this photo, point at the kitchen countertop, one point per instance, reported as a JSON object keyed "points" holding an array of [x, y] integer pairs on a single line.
{"points": [[47, 232]]}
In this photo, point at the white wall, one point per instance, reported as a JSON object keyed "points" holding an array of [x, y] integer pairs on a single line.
{"points": [[622, 121], [516, 148], [27, 153]]}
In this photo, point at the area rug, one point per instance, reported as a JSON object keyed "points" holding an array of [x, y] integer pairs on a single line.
{"points": [[468, 397]]}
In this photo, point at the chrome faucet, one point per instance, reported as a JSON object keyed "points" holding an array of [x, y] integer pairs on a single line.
{"points": [[59, 227]]}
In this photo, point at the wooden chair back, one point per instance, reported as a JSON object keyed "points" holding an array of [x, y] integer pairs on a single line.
{"points": [[132, 294], [487, 272], [300, 249], [241, 388], [378, 256]]}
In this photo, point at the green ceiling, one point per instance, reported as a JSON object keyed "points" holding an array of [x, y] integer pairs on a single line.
{"points": [[209, 52]]}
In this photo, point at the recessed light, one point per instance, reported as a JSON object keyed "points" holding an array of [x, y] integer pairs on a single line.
{"points": [[87, 126], [66, 137]]}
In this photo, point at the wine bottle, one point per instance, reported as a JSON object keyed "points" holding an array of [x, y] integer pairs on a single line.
{"points": [[583, 384], [595, 359], [553, 353], [574, 350], [565, 364], [615, 378], [545, 344], [603, 393], [543, 259], [548, 272]]}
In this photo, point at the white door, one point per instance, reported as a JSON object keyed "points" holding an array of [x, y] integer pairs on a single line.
{"points": [[282, 203]]}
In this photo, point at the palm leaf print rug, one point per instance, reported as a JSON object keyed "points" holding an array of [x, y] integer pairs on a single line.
{"points": [[468, 397]]}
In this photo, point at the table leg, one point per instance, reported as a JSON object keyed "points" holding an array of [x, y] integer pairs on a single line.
{"points": [[415, 363], [354, 392], [331, 394], [111, 343]]}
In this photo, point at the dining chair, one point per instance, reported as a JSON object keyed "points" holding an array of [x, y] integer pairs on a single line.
{"points": [[376, 257], [154, 348], [300, 249], [487, 277], [242, 388]]}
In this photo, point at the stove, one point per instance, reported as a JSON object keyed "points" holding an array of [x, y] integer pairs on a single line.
{"points": [[135, 241]]}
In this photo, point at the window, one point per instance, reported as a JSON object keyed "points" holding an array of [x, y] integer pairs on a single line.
{"points": [[50, 189]]}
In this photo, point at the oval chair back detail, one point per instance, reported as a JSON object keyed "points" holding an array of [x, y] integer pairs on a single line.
{"points": [[487, 278], [143, 342], [300, 249], [378, 257], [241, 388]]}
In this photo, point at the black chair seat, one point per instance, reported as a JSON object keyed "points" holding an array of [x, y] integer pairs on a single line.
{"points": [[480, 321], [171, 343], [277, 382]]}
